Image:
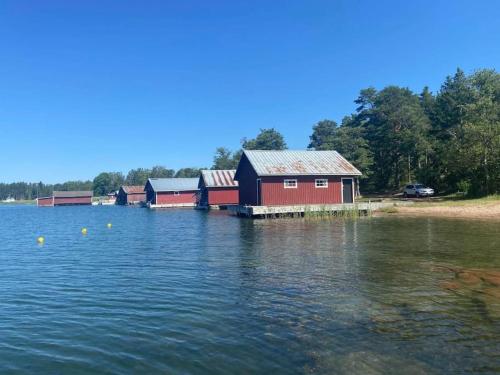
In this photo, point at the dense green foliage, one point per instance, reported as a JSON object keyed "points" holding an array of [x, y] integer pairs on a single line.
{"points": [[139, 176], [188, 172], [103, 183], [226, 159], [107, 182], [25, 190], [450, 140], [267, 139]]}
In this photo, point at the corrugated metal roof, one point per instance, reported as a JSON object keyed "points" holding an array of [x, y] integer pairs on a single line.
{"points": [[137, 189], [289, 163], [219, 178], [72, 194], [174, 184]]}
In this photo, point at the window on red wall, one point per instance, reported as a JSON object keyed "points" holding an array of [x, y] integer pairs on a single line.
{"points": [[290, 183], [321, 183]]}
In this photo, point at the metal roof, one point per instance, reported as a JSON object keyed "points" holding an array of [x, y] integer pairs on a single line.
{"points": [[72, 194], [219, 178], [289, 163], [174, 184], [137, 189]]}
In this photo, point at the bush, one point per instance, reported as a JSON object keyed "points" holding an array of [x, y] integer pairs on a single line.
{"points": [[464, 187]]}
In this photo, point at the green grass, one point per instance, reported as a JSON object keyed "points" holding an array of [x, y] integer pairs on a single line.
{"points": [[389, 210], [325, 213]]}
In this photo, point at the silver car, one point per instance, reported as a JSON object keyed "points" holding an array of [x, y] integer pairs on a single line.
{"points": [[417, 190]]}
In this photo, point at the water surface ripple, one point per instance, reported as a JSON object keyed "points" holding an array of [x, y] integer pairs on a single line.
{"points": [[184, 291]]}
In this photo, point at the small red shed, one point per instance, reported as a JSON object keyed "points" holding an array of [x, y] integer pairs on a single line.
{"points": [[272, 178], [66, 198], [171, 192], [217, 188], [45, 201], [130, 195]]}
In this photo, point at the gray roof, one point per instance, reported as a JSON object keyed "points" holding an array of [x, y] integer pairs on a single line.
{"points": [[133, 189], [290, 163], [174, 184], [72, 194], [219, 178]]}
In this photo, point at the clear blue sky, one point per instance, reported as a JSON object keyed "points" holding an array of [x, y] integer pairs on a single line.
{"points": [[96, 85]]}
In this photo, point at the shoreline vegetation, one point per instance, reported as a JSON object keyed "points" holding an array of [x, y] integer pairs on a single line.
{"points": [[19, 202], [487, 208]]}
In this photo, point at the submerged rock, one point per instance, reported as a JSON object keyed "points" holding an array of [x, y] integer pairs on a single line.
{"points": [[371, 363], [451, 285], [469, 277], [475, 283]]}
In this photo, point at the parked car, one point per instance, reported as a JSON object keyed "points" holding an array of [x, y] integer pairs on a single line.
{"points": [[417, 190]]}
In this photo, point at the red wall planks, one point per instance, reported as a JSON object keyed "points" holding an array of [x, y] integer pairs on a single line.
{"points": [[45, 201], [274, 192], [75, 200], [171, 198], [221, 196]]}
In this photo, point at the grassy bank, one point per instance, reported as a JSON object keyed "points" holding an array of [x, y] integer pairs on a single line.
{"points": [[450, 206]]}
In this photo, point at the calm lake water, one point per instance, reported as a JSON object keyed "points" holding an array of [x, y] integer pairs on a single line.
{"points": [[184, 291]]}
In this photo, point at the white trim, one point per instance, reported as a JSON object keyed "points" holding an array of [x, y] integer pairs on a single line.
{"points": [[176, 193], [342, 187], [285, 180], [325, 186]]}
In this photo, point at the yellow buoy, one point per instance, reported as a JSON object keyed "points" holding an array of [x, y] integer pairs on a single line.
{"points": [[40, 240], [84, 231], [109, 225]]}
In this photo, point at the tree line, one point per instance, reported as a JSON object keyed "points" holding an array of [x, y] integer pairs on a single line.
{"points": [[104, 183], [449, 140]]}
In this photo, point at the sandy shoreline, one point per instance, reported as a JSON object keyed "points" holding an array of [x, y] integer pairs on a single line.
{"points": [[490, 210]]}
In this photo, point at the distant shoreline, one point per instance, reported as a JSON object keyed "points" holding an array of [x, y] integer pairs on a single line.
{"points": [[19, 202], [487, 208]]}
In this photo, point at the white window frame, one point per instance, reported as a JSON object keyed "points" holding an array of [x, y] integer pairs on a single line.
{"points": [[177, 193], [325, 186], [287, 180]]}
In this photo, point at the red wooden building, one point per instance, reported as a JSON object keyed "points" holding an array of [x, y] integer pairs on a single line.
{"points": [[130, 195], [66, 198], [273, 178], [217, 188], [171, 192]]}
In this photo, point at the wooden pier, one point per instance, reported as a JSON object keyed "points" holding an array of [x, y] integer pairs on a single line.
{"points": [[362, 208]]}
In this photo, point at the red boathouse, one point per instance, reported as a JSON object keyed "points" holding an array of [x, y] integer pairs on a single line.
{"points": [[279, 178], [171, 192], [217, 188], [66, 198], [130, 195]]}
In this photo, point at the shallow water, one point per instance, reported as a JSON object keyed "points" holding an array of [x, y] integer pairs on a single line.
{"points": [[184, 291]]}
